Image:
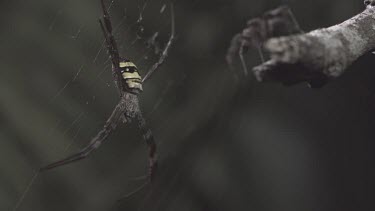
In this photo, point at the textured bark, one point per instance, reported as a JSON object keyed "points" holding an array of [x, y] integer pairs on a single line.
{"points": [[319, 55]]}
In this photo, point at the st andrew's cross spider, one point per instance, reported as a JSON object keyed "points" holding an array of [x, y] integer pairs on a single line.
{"points": [[129, 84]]}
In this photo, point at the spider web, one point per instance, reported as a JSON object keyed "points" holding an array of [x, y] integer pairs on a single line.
{"points": [[135, 40], [226, 147]]}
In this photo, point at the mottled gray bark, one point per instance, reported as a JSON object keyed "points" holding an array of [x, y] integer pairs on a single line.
{"points": [[319, 55]]}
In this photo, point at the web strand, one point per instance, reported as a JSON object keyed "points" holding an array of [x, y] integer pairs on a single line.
{"points": [[27, 189]]}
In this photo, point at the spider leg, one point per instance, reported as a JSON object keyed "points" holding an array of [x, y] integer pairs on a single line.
{"points": [[149, 138], [243, 48], [294, 20], [252, 36], [73, 158], [164, 54], [235, 45], [243, 62], [281, 22], [109, 127], [110, 42], [133, 192], [106, 27], [261, 54]]}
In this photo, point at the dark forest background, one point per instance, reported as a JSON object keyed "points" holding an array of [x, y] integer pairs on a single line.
{"points": [[224, 144]]}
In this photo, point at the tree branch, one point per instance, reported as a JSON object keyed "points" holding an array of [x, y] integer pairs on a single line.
{"points": [[319, 55]]}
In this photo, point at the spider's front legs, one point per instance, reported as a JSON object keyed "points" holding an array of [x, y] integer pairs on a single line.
{"points": [[252, 36], [237, 46]]}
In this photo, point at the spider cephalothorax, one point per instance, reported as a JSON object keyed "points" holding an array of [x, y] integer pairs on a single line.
{"points": [[370, 3], [131, 78]]}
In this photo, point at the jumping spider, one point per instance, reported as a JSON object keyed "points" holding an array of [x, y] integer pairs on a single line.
{"points": [[129, 84]]}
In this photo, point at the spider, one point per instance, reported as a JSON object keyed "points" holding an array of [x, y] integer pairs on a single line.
{"points": [[275, 23], [129, 84]]}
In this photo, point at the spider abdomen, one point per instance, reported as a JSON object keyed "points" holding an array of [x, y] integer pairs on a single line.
{"points": [[131, 77]]}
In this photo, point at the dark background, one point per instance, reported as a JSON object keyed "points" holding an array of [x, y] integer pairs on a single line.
{"points": [[224, 144]]}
